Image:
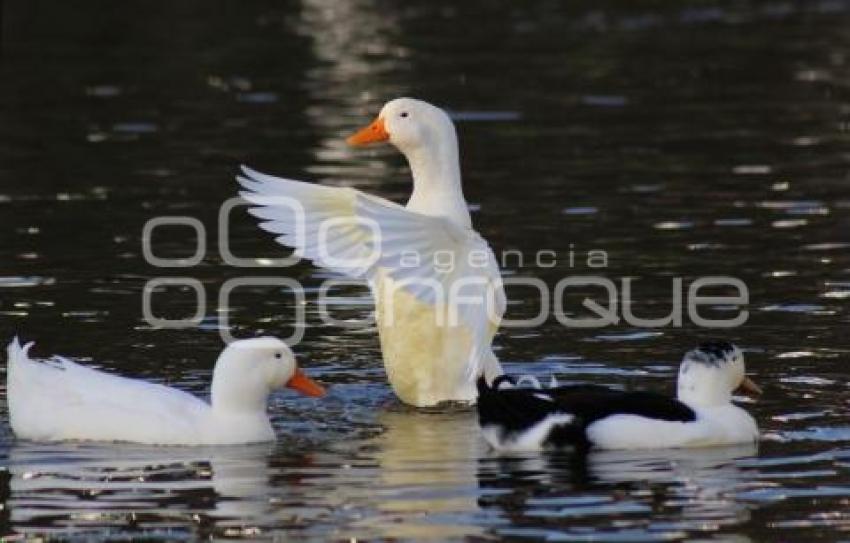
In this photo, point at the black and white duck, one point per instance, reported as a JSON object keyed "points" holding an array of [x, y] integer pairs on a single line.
{"points": [[702, 413]]}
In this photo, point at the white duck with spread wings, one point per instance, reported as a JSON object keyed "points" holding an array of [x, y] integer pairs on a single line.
{"points": [[436, 323]]}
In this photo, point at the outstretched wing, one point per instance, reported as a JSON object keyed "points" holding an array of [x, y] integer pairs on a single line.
{"points": [[347, 231]]}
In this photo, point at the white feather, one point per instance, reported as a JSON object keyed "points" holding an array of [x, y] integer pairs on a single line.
{"points": [[61, 400], [531, 439], [374, 244], [720, 425]]}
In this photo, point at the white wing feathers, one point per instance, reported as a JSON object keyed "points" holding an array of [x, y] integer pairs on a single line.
{"points": [[353, 233], [347, 231], [320, 223]]}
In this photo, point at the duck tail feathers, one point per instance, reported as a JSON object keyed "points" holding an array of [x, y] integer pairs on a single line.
{"points": [[482, 385], [18, 353]]}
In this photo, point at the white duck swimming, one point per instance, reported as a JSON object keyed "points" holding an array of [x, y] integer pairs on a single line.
{"points": [[585, 416], [59, 399], [436, 321]]}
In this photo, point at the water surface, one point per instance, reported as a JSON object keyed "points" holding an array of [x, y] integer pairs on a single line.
{"points": [[684, 140]]}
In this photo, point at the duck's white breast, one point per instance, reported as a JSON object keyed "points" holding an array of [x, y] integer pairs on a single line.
{"points": [[722, 425], [425, 358]]}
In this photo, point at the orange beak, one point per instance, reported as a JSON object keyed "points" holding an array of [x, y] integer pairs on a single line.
{"points": [[305, 385], [373, 133], [750, 388]]}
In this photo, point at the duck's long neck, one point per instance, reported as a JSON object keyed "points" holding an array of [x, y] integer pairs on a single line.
{"points": [[228, 400], [436, 181], [703, 388], [235, 392]]}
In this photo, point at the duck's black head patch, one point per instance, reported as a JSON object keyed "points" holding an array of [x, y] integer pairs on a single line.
{"points": [[714, 353]]}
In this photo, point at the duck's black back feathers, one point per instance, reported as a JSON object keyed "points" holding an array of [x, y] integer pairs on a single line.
{"points": [[516, 410]]}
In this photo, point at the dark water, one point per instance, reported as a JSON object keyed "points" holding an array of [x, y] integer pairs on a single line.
{"points": [[684, 139]]}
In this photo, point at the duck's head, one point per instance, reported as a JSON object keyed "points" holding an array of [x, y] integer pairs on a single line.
{"points": [[409, 124], [248, 370], [710, 374]]}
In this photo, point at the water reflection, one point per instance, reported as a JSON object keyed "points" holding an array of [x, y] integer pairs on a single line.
{"points": [[356, 47], [436, 479], [59, 487], [685, 491], [427, 473]]}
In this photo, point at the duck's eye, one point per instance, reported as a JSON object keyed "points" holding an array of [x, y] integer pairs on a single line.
{"points": [[404, 114], [278, 355]]}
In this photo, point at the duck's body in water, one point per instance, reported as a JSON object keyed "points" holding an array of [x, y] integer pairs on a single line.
{"points": [[587, 416], [58, 399]]}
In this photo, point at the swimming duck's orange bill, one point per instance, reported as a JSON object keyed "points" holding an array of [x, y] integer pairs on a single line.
{"points": [[749, 387], [305, 385], [373, 133]]}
